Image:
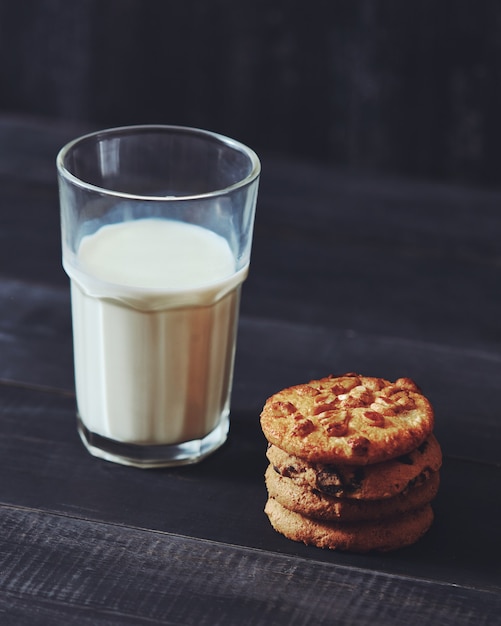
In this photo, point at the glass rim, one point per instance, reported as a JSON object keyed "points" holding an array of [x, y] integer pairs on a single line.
{"points": [[65, 173]]}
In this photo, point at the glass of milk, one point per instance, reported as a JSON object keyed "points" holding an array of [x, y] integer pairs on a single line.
{"points": [[156, 228]]}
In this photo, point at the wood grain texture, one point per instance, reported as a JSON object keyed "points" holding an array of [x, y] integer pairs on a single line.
{"points": [[398, 88], [45, 467], [36, 345], [383, 256], [57, 566], [398, 258], [386, 277], [462, 384], [35, 335]]}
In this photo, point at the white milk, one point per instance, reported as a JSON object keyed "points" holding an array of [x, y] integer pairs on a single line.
{"points": [[154, 342]]}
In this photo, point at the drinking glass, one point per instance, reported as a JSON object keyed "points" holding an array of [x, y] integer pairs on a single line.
{"points": [[156, 227]]}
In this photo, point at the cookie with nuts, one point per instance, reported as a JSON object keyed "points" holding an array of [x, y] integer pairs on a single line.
{"points": [[350, 419]]}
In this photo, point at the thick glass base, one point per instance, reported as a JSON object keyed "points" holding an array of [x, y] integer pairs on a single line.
{"points": [[151, 456]]}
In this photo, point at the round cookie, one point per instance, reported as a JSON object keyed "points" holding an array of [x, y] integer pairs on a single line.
{"points": [[382, 536], [350, 419], [368, 482], [311, 503]]}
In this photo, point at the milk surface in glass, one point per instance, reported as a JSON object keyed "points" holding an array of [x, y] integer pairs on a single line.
{"points": [[154, 354]]}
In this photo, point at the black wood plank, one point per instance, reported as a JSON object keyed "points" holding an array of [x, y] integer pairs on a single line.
{"points": [[55, 567], [410, 260], [35, 344], [29, 146], [398, 258], [44, 466], [20, 609], [462, 384], [411, 89], [35, 335], [30, 233], [383, 277]]}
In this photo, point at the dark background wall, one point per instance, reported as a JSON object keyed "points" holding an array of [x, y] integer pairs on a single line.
{"points": [[402, 87]]}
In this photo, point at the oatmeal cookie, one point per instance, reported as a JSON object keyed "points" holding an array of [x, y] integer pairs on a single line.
{"points": [[350, 419]]}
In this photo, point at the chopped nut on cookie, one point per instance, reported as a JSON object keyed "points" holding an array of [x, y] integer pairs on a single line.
{"points": [[348, 419]]}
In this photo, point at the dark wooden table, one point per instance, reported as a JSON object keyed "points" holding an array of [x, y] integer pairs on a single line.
{"points": [[349, 273]]}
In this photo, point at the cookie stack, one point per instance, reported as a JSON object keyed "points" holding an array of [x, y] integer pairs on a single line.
{"points": [[354, 463]]}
